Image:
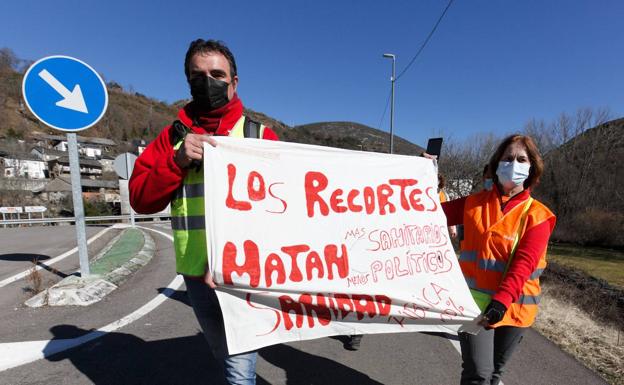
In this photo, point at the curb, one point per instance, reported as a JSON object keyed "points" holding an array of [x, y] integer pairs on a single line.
{"points": [[74, 290], [141, 259]]}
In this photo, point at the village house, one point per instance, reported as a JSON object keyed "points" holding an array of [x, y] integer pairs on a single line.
{"points": [[89, 168], [46, 154], [22, 165], [139, 145], [88, 147]]}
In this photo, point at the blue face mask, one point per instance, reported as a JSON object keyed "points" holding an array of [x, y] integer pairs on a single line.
{"points": [[512, 174], [488, 184]]}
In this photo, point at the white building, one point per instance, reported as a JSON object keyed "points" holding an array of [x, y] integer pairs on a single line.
{"points": [[87, 147], [24, 166]]}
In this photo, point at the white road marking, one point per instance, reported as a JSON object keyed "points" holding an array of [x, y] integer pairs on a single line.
{"points": [[14, 354], [20, 353], [41, 265]]}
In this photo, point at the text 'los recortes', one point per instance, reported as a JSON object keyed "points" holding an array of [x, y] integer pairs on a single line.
{"points": [[385, 198]]}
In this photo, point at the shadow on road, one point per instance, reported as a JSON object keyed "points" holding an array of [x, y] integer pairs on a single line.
{"points": [[120, 358], [178, 295], [23, 257], [304, 368]]}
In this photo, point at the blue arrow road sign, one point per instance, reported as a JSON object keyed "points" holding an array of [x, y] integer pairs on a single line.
{"points": [[65, 93]]}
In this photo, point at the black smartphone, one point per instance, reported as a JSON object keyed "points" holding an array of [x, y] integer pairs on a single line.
{"points": [[434, 146]]}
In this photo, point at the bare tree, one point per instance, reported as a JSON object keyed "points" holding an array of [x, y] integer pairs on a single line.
{"points": [[582, 175], [8, 60], [462, 162]]}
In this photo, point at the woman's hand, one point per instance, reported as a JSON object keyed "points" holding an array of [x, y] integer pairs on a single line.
{"points": [[429, 156], [493, 313]]}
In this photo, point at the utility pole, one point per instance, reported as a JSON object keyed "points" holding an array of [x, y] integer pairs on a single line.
{"points": [[392, 80]]}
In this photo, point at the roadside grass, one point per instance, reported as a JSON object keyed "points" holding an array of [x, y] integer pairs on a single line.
{"points": [[598, 345], [582, 307], [126, 247], [600, 263]]}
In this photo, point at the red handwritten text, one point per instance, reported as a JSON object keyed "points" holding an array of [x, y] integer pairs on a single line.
{"points": [[296, 256], [435, 261], [256, 191], [325, 307], [382, 199], [406, 235]]}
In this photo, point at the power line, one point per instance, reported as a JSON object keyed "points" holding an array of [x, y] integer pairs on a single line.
{"points": [[385, 109], [426, 40]]}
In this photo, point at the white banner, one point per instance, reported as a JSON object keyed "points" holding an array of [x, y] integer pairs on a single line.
{"points": [[308, 241]]}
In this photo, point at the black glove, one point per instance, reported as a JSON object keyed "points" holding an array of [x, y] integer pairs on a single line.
{"points": [[494, 312]]}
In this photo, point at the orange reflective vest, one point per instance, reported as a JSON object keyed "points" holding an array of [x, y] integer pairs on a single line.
{"points": [[443, 197], [488, 241]]}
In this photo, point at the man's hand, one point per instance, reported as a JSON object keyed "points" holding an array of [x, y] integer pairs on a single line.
{"points": [[192, 149], [493, 313], [208, 279], [452, 231]]}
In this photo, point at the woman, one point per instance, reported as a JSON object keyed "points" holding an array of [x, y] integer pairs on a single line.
{"points": [[443, 198], [503, 253]]}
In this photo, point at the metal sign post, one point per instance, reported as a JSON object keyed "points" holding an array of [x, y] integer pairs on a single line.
{"points": [[123, 166], [68, 95], [81, 235], [129, 173]]}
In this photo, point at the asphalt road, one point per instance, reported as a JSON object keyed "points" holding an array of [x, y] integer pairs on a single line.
{"points": [[165, 346]]}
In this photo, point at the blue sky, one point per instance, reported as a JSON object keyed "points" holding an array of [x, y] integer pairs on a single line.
{"points": [[491, 66]]}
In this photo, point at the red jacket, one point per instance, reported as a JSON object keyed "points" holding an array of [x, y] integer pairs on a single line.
{"points": [[156, 176]]}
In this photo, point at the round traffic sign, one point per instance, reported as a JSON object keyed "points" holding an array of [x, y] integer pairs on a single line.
{"points": [[65, 93]]}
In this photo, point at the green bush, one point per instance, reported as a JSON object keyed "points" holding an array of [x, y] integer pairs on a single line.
{"points": [[97, 208], [592, 227]]}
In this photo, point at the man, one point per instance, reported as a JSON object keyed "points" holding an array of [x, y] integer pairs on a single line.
{"points": [[169, 171]]}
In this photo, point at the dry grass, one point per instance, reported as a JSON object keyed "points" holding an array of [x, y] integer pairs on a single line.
{"points": [[578, 333], [34, 279]]}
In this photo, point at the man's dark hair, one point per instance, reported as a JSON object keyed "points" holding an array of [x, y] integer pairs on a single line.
{"points": [[205, 46]]}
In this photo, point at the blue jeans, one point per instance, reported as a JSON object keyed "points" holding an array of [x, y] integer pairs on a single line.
{"points": [[239, 369]]}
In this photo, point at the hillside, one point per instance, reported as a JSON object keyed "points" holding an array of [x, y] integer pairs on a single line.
{"points": [[355, 136], [582, 185], [131, 115], [348, 135]]}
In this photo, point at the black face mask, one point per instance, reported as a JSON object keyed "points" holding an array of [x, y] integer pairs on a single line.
{"points": [[208, 92]]}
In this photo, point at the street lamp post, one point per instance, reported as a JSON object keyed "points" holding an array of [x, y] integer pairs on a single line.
{"points": [[392, 79]]}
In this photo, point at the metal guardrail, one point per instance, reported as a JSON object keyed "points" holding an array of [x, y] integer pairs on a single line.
{"points": [[110, 218]]}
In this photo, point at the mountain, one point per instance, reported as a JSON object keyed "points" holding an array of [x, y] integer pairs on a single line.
{"points": [[582, 184], [355, 136], [131, 115], [347, 135]]}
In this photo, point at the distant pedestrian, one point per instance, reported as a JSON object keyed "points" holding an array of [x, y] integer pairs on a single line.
{"points": [[486, 178], [443, 198]]}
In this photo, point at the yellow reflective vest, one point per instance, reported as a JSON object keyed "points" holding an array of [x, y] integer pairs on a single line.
{"points": [[188, 215]]}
